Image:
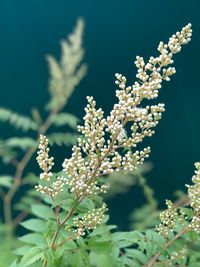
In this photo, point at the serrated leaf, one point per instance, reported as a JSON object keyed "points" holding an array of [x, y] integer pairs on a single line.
{"points": [[68, 204], [33, 255], [132, 236], [85, 205], [64, 118], [17, 120], [42, 211], [22, 250], [35, 239], [61, 139], [21, 142], [63, 196], [99, 247], [137, 255], [35, 225], [100, 230], [155, 237]]}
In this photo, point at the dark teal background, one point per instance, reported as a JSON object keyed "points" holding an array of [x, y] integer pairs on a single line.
{"points": [[116, 31]]}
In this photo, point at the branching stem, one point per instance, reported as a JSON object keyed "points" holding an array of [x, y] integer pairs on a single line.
{"points": [[154, 258]]}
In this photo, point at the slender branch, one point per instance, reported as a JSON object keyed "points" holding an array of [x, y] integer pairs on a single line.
{"points": [[20, 217], [53, 245], [19, 173], [154, 258], [44, 263], [57, 212]]}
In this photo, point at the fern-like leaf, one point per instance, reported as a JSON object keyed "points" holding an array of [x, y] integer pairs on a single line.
{"points": [[67, 73], [17, 120], [63, 119], [6, 153], [60, 139], [21, 142]]}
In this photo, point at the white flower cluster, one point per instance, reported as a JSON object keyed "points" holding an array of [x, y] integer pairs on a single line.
{"points": [[89, 220], [168, 219], [53, 189], [181, 254], [107, 144], [45, 162], [194, 196]]}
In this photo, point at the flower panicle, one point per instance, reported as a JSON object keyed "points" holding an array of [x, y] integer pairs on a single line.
{"points": [[110, 143], [51, 188], [45, 162], [194, 197], [89, 221]]}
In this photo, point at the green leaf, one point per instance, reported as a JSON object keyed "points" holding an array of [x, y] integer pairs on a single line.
{"points": [[100, 230], [6, 153], [42, 211], [130, 237], [100, 260], [35, 225], [68, 204], [15, 264], [62, 196], [22, 250], [6, 181], [60, 139], [30, 179], [34, 239], [33, 255], [99, 247], [18, 121], [86, 205], [21, 142], [63, 119], [81, 243], [137, 255], [155, 237]]}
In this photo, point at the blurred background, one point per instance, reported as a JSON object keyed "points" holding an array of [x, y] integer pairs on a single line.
{"points": [[116, 31]]}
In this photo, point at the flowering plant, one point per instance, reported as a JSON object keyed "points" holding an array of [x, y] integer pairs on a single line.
{"points": [[71, 229], [16, 152]]}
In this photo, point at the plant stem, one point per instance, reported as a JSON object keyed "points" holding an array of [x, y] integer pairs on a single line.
{"points": [[154, 258], [18, 176], [148, 192], [71, 211], [44, 263]]}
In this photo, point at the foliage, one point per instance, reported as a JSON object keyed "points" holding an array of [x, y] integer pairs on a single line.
{"points": [[17, 120], [120, 182], [104, 245], [18, 151], [66, 74]]}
